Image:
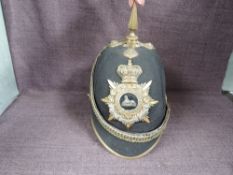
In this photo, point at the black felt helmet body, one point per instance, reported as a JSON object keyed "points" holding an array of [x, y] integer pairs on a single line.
{"points": [[128, 97]]}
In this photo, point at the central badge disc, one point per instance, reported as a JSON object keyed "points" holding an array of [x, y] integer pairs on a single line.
{"points": [[128, 101]]}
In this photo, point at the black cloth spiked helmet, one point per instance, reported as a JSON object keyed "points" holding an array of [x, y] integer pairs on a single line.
{"points": [[127, 94]]}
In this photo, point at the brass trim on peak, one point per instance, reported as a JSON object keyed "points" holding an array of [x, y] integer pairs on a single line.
{"points": [[119, 155]]}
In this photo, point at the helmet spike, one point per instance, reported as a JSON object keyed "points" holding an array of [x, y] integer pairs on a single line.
{"points": [[133, 20]]}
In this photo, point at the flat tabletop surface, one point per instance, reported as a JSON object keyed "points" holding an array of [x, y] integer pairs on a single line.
{"points": [[50, 133]]}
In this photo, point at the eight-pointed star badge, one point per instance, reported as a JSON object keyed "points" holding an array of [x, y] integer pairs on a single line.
{"points": [[128, 101]]}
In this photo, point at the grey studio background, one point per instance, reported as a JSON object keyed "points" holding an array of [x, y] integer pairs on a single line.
{"points": [[8, 87], [227, 86], [54, 43]]}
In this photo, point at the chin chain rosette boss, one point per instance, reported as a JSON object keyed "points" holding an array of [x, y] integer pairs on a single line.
{"points": [[128, 94]]}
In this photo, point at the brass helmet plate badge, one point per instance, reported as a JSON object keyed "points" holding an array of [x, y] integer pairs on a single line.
{"points": [[129, 102]]}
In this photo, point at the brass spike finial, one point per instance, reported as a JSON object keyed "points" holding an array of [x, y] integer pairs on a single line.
{"points": [[133, 21], [132, 39]]}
